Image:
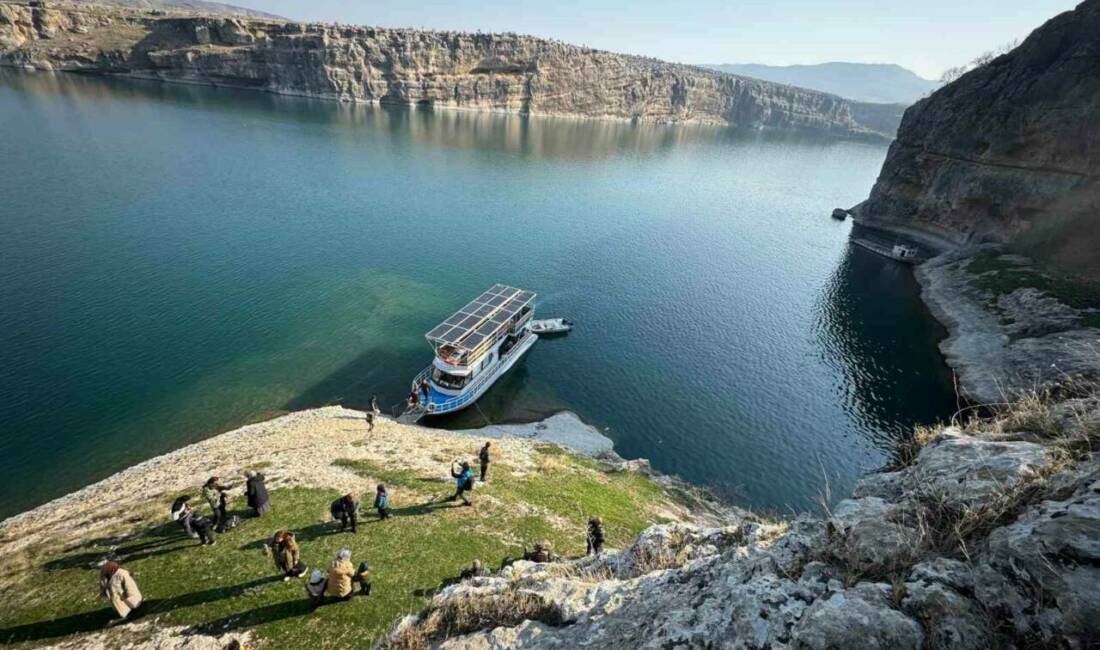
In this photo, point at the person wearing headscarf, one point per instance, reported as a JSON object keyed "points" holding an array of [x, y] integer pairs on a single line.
{"points": [[340, 574], [118, 587], [256, 491]]}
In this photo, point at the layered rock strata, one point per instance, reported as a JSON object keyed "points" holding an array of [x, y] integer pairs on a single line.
{"points": [[496, 72]]}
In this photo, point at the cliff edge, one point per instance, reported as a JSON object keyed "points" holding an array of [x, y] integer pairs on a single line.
{"points": [[497, 72], [1008, 153]]}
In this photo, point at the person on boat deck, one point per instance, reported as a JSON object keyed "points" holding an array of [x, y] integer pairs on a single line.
{"points": [[382, 502], [118, 587], [211, 491], [414, 399], [464, 482], [483, 457], [346, 510], [287, 557], [340, 574], [256, 491], [425, 390], [595, 537]]}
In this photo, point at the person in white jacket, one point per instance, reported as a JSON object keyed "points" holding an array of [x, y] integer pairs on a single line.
{"points": [[118, 587]]}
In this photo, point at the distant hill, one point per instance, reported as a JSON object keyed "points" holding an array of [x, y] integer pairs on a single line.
{"points": [[190, 6], [865, 82]]}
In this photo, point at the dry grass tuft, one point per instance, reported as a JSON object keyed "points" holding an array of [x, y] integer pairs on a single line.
{"points": [[458, 616], [906, 452]]}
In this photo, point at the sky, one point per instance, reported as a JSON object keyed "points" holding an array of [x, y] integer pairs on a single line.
{"points": [[926, 36]]}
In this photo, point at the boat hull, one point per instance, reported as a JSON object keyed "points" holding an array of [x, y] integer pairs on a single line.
{"points": [[471, 396]]}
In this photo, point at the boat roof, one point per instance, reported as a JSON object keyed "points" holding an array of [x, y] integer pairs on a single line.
{"points": [[481, 319]]}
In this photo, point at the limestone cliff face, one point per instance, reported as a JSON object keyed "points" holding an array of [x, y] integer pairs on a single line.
{"points": [[501, 72], [1010, 151]]}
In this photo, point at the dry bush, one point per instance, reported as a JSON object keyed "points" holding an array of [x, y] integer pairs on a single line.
{"points": [[464, 615], [907, 451]]}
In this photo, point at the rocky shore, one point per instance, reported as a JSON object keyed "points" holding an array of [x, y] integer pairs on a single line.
{"points": [[491, 72]]}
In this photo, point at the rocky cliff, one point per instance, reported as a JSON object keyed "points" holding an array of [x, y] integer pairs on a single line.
{"points": [[1010, 152], [987, 538], [499, 72]]}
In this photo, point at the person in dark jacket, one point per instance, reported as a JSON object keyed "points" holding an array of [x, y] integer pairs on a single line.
{"points": [[483, 458], [464, 482], [595, 536], [346, 511], [425, 390], [181, 512], [256, 491], [382, 502]]}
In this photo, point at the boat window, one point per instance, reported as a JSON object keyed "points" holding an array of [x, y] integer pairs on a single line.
{"points": [[448, 380]]}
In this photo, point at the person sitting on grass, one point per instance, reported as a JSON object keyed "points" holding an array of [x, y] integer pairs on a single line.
{"points": [[181, 512], [542, 552], [382, 502], [284, 551], [118, 587], [315, 587], [346, 511], [475, 570], [340, 575], [464, 482]]}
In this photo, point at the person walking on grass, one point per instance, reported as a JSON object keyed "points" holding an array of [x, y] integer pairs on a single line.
{"points": [[118, 587], [483, 458], [464, 482], [382, 502], [346, 511], [595, 537], [256, 491], [369, 417]]}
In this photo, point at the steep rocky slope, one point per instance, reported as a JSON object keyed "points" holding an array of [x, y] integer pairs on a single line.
{"points": [[1010, 152], [988, 538], [502, 72]]}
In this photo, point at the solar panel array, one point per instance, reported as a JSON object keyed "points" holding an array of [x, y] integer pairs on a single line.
{"points": [[482, 318]]}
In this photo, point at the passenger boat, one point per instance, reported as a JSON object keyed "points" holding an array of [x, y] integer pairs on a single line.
{"points": [[473, 348], [898, 252]]}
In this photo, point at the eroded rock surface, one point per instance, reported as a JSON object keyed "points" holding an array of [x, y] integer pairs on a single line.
{"points": [[1031, 581]]}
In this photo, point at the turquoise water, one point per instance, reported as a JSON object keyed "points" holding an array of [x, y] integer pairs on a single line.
{"points": [[177, 261]]}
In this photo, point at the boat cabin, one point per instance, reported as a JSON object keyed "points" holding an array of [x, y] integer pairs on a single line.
{"points": [[475, 337], [903, 252]]}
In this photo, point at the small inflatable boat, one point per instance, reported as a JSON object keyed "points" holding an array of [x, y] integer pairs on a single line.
{"points": [[550, 326]]}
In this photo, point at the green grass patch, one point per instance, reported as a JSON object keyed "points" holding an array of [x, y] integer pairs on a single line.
{"points": [[232, 586], [391, 476]]}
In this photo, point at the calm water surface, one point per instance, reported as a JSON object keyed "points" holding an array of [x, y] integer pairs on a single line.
{"points": [[177, 261]]}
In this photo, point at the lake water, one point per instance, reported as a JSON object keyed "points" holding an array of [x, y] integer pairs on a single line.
{"points": [[176, 261]]}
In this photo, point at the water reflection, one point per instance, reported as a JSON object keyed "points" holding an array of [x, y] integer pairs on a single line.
{"points": [[536, 137], [876, 332]]}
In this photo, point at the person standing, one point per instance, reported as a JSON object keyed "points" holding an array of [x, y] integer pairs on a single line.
{"points": [[211, 491], [483, 458], [256, 490], [425, 390], [369, 417], [374, 405], [382, 502], [118, 587], [595, 537]]}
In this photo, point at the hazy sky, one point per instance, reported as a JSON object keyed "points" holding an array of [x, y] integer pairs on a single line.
{"points": [[926, 36]]}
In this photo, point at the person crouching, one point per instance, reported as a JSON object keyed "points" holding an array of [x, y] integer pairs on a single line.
{"points": [[287, 557], [118, 587], [340, 576]]}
